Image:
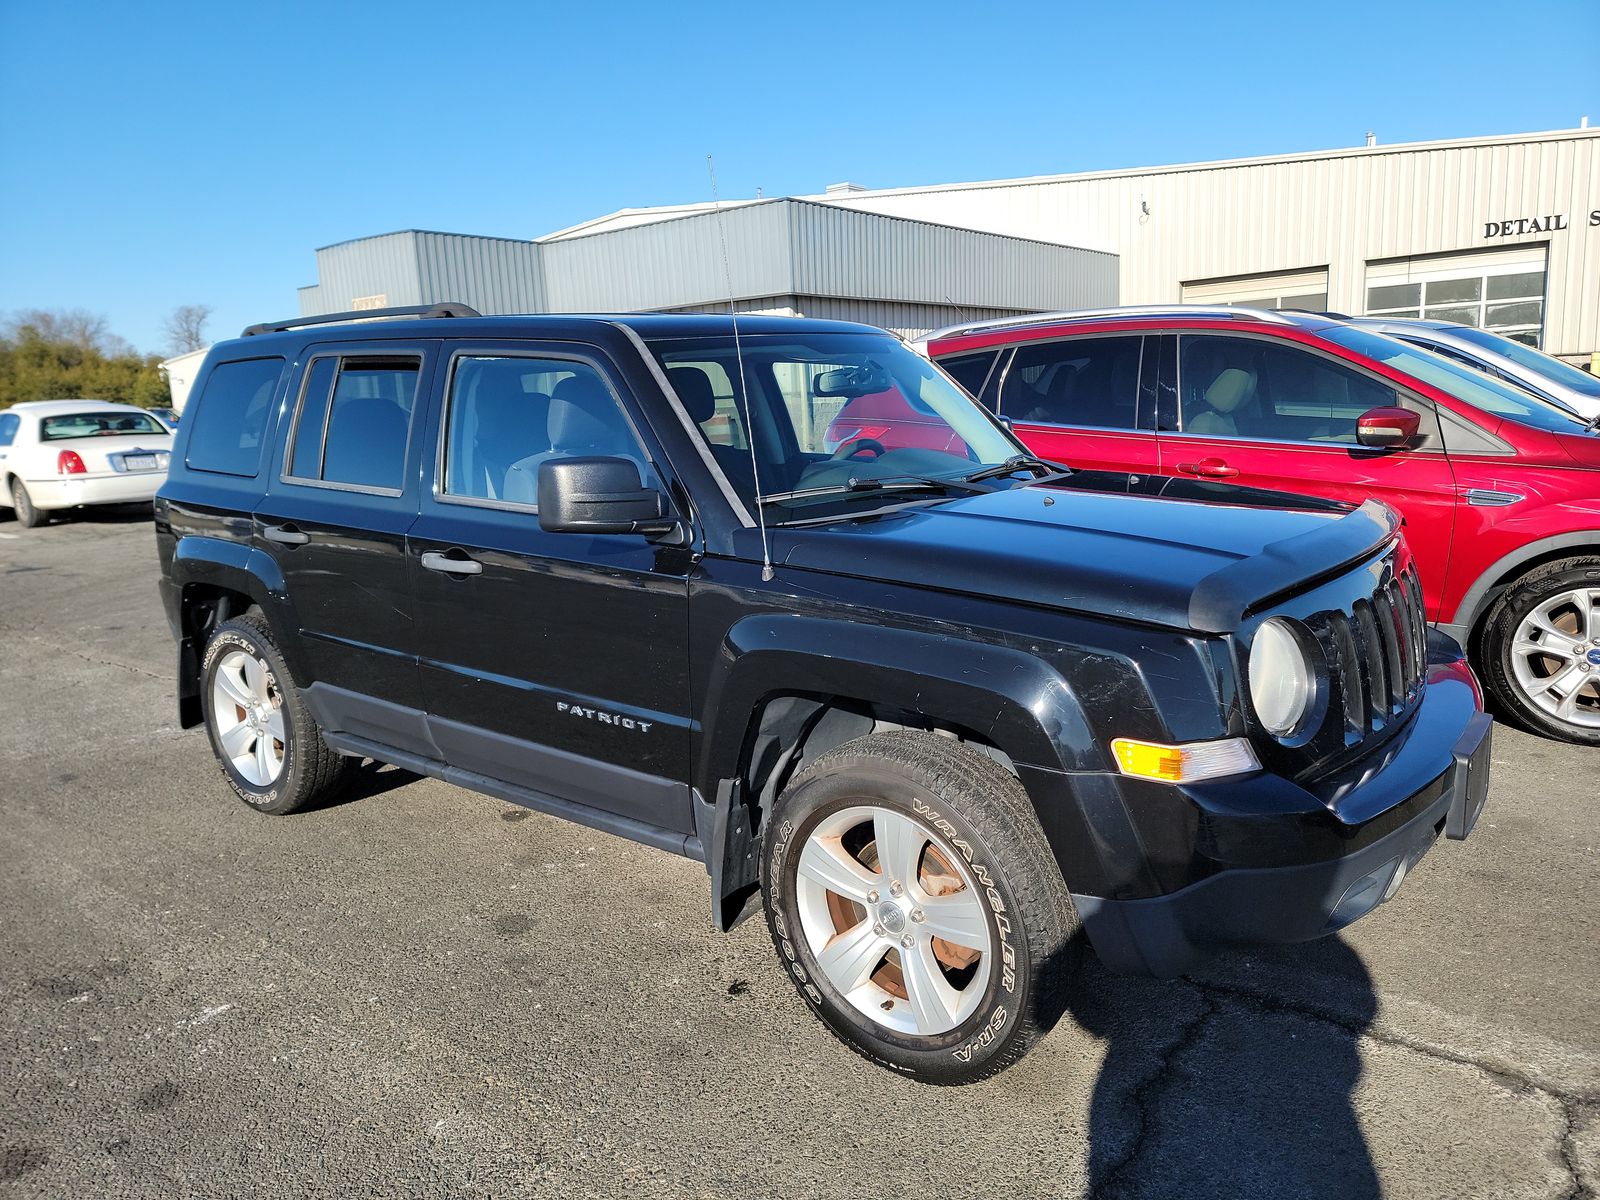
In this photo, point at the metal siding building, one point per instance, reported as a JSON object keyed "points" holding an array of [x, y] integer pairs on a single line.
{"points": [[1502, 232], [1419, 218], [788, 256], [491, 274], [419, 267]]}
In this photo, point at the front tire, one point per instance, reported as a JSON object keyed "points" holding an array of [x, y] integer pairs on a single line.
{"points": [[1542, 650], [268, 747], [917, 907], [28, 516]]}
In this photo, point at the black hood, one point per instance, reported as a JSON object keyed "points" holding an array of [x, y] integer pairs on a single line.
{"points": [[1178, 553]]}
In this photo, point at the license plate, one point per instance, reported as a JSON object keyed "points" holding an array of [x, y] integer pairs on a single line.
{"points": [[1470, 782], [139, 462]]}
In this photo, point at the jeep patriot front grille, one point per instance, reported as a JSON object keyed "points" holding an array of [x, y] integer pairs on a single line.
{"points": [[1377, 655]]}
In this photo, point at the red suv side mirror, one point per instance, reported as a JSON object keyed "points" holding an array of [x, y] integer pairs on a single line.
{"points": [[1388, 428]]}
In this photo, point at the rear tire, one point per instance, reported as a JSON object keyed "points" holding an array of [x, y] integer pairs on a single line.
{"points": [[22, 504], [873, 851], [268, 747], [1541, 650]]}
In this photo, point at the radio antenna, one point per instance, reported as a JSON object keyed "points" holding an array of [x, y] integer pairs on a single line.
{"points": [[744, 391]]}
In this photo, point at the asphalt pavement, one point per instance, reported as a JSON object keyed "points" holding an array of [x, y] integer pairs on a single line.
{"points": [[422, 992]]}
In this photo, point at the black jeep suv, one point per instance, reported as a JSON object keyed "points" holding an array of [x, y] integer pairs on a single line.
{"points": [[940, 705]]}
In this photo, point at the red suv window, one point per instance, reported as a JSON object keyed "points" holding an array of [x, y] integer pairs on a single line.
{"points": [[1257, 389], [1091, 382]]}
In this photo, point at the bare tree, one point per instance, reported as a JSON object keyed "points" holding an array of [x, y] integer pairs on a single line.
{"points": [[71, 326], [186, 328]]}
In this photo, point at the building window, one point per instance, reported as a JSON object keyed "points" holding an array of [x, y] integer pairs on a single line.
{"points": [[1506, 297], [1303, 290]]}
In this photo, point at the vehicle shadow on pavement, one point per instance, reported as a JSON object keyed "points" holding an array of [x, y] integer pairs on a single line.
{"points": [[99, 514], [1214, 1090], [365, 781]]}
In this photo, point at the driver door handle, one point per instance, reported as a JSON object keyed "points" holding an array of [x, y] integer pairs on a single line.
{"points": [[435, 561], [285, 535], [1209, 468]]}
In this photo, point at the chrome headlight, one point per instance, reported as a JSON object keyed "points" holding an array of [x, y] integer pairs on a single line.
{"points": [[1282, 681]]}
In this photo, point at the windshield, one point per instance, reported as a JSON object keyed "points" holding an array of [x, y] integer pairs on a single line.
{"points": [[833, 417], [1537, 361], [1462, 382], [98, 424]]}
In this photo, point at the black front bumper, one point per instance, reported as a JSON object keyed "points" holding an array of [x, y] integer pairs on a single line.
{"points": [[1361, 839]]}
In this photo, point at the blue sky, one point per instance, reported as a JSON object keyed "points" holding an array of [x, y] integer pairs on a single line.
{"points": [[156, 155]]}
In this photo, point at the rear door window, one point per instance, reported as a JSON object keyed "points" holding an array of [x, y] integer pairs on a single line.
{"points": [[1091, 382], [229, 420], [9, 423], [354, 421]]}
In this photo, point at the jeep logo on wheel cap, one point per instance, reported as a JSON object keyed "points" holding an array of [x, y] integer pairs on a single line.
{"points": [[891, 918]]}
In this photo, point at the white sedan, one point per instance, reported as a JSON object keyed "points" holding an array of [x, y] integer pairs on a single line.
{"points": [[57, 454]]}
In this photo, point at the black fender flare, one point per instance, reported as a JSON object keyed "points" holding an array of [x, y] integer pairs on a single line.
{"points": [[234, 567], [1484, 589], [1015, 701]]}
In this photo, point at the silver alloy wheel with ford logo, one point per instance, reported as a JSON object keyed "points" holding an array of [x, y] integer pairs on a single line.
{"points": [[1542, 643], [1557, 656]]}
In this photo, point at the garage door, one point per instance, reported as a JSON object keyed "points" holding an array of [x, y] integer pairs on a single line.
{"points": [[1502, 291], [1306, 290]]}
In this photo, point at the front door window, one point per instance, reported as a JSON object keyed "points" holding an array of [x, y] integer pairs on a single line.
{"points": [[1254, 389]]}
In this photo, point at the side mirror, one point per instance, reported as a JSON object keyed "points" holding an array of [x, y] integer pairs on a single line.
{"points": [[1388, 428], [599, 495]]}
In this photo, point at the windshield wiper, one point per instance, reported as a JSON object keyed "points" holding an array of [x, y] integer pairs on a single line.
{"points": [[1594, 424], [1017, 462], [892, 483]]}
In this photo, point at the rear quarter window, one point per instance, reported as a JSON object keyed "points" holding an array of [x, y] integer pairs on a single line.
{"points": [[971, 371], [229, 421]]}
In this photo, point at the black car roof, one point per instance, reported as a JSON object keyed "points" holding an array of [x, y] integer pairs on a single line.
{"points": [[550, 325]]}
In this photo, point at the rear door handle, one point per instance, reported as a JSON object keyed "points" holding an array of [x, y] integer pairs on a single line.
{"points": [[285, 535], [435, 561], [1209, 468]]}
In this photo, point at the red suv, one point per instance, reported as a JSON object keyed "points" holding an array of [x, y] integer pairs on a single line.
{"points": [[1500, 490]]}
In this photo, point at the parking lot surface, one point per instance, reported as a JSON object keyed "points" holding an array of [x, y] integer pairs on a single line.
{"points": [[420, 991]]}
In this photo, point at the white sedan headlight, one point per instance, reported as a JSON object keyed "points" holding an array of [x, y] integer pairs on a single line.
{"points": [[1282, 681]]}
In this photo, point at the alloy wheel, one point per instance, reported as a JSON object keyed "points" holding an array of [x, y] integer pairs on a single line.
{"points": [[248, 709], [1555, 657], [894, 920]]}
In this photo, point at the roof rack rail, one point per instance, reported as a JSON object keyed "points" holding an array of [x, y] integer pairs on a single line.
{"points": [[447, 308], [1088, 314]]}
